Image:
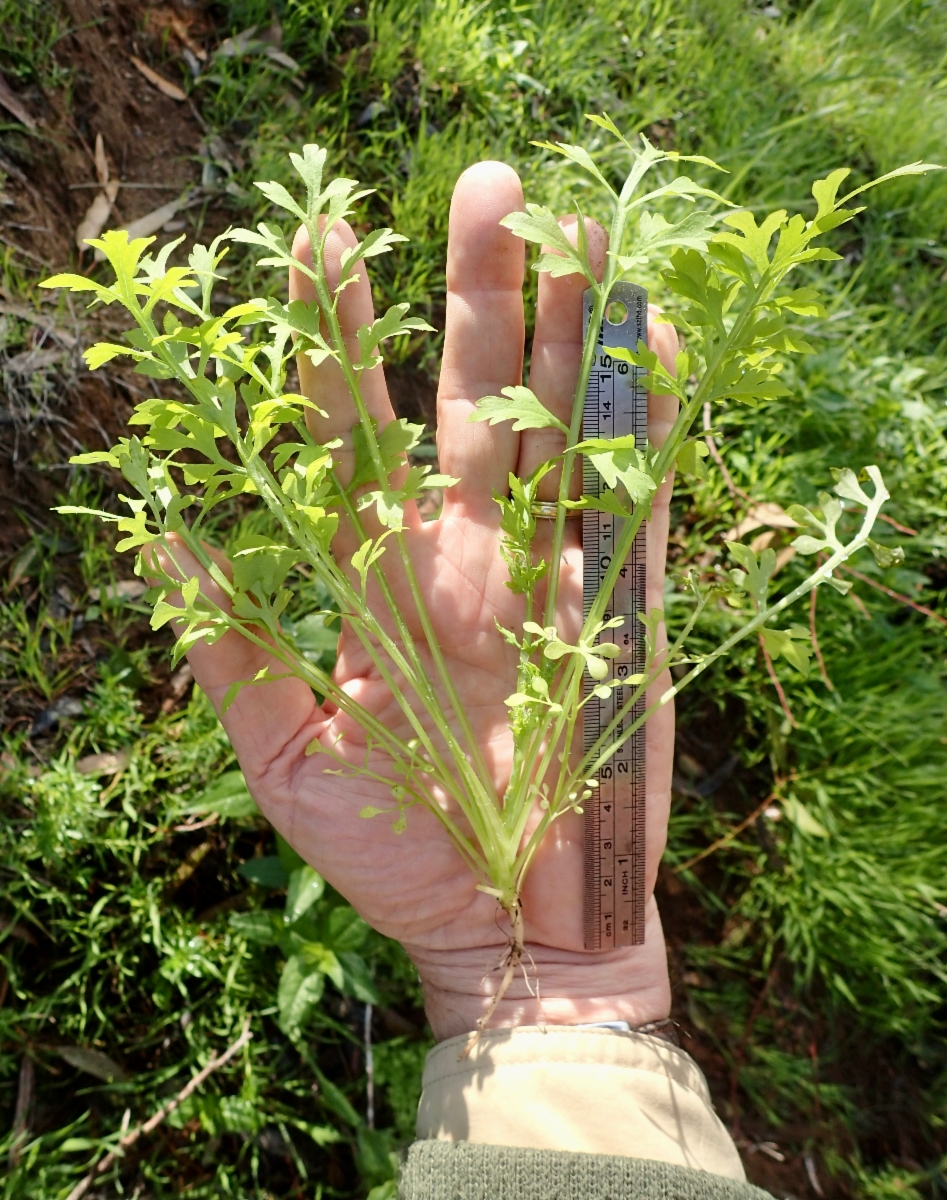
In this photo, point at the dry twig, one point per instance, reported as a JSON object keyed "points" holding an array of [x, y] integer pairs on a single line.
{"points": [[921, 608], [737, 829], [718, 459], [777, 685], [155, 1120]]}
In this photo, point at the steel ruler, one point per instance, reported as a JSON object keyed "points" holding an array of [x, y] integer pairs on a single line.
{"points": [[616, 405]]}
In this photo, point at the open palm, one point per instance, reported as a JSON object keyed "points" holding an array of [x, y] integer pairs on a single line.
{"points": [[414, 886]]}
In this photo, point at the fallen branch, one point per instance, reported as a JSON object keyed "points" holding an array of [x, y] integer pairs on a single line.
{"points": [[718, 459], [921, 608], [154, 1121], [777, 685], [736, 830], [897, 525]]}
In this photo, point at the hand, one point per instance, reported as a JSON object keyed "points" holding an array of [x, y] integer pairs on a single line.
{"points": [[414, 886]]}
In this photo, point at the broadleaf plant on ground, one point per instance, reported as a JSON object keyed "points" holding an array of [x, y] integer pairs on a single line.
{"points": [[733, 303]]}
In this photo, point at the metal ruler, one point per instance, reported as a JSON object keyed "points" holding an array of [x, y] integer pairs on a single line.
{"points": [[616, 405]]}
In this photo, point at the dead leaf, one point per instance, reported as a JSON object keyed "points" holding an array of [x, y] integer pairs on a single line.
{"points": [[125, 589], [35, 318], [767, 513], [151, 222], [178, 27], [165, 86], [763, 540], [179, 30], [13, 104], [284, 60], [24, 1105], [783, 557], [103, 764], [96, 216], [93, 1062], [181, 680], [29, 362], [238, 45], [101, 161]]}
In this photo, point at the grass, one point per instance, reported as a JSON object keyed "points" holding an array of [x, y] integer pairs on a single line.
{"points": [[809, 950]]}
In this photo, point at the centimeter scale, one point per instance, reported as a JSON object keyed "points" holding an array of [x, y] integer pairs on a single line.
{"points": [[616, 405]]}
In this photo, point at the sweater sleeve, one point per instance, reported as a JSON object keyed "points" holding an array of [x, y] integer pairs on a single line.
{"points": [[569, 1114]]}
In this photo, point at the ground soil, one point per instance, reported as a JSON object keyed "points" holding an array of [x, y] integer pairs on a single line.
{"points": [[152, 141]]}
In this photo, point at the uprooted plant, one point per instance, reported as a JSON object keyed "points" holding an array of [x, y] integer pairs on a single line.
{"points": [[727, 279]]}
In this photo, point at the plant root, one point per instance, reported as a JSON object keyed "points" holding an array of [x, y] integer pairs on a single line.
{"points": [[512, 961]]}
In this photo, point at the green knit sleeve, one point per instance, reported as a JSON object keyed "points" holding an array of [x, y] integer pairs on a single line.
{"points": [[437, 1170]]}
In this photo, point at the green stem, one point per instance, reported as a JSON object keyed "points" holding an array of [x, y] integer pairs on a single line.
{"points": [[425, 693], [400, 752], [589, 348], [335, 329], [818, 577]]}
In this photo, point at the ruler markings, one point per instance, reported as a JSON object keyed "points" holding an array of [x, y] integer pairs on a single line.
{"points": [[614, 836]]}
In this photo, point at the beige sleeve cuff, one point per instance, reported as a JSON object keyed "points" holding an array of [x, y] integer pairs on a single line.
{"points": [[594, 1091]]}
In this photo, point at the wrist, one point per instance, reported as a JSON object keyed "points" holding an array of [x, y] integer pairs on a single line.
{"points": [[559, 987]]}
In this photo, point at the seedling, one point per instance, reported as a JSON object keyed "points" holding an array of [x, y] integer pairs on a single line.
{"points": [[728, 280]]}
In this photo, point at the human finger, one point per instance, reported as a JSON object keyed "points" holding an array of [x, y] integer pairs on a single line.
{"points": [[483, 343], [325, 384], [557, 354]]}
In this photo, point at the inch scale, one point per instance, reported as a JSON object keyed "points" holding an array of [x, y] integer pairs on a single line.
{"points": [[616, 405]]}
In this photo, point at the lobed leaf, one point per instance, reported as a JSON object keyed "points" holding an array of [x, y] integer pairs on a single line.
{"points": [[794, 645], [618, 460], [581, 157], [278, 195], [519, 405], [538, 224]]}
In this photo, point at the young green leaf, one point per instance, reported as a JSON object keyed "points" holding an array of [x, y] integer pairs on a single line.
{"points": [[886, 556], [691, 457], [520, 405], [580, 157], [847, 486], [656, 233], [393, 324], [366, 556], [607, 501], [538, 224], [261, 565], [757, 572], [794, 645], [278, 195], [305, 887], [802, 818], [618, 460], [310, 166]]}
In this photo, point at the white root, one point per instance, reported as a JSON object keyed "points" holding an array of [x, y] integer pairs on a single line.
{"points": [[513, 960]]}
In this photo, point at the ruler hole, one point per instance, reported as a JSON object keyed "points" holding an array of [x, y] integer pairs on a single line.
{"points": [[616, 313]]}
